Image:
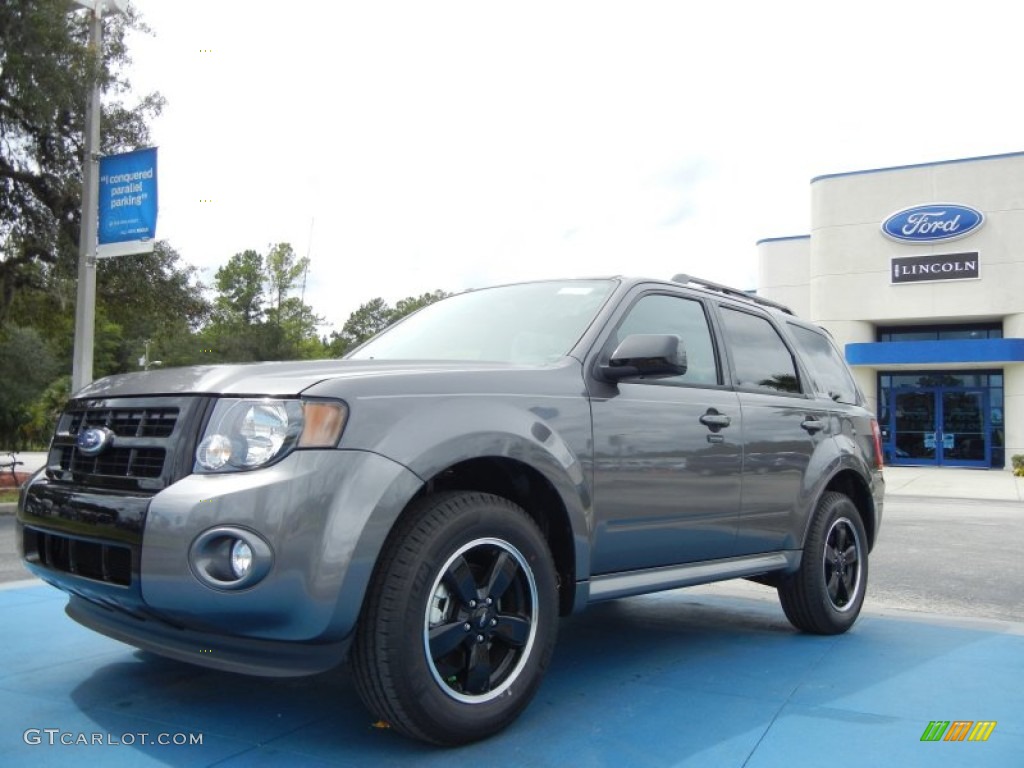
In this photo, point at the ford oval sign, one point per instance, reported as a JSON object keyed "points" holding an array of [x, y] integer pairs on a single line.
{"points": [[92, 441], [932, 223]]}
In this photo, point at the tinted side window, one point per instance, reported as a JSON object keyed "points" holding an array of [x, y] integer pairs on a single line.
{"points": [[830, 372], [685, 318], [760, 356]]}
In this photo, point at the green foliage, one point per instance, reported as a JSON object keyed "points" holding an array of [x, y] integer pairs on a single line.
{"points": [[256, 317], [290, 314], [44, 412], [26, 367], [45, 70], [282, 274], [414, 303], [240, 289], [1018, 464], [370, 319], [152, 296]]}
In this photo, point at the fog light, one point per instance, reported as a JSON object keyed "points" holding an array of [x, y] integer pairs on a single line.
{"points": [[241, 559], [227, 557]]}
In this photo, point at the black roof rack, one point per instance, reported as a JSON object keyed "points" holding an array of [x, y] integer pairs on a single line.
{"points": [[685, 279]]}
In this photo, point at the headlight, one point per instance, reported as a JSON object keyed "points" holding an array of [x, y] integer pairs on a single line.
{"points": [[251, 433]]}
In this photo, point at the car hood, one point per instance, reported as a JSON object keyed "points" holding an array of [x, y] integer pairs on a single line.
{"points": [[271, 379]]}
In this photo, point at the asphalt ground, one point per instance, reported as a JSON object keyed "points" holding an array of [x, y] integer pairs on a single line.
{"points": [[708, 676]]}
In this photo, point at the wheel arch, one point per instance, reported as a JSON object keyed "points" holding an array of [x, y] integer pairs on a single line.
{"points": [[529, 488], [851, 484]]}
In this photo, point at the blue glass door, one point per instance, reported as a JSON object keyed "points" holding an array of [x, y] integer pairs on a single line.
{"points": [[963, 430], [913, 429], [940, 426]]}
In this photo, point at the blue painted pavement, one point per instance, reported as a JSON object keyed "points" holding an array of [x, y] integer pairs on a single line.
{"points": [[681, 678]]}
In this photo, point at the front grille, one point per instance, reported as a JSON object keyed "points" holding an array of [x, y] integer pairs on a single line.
{"points": [[152, 442], [110, 563], [115, 462], [126, 422]]}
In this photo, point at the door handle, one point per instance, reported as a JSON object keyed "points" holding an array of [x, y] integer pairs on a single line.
{"points": [[812, 425], [714, 420]]}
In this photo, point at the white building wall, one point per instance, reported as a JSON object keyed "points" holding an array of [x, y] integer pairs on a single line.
{"points": [[784, 270], [1013, 393], [850, 258], [840, 277]]}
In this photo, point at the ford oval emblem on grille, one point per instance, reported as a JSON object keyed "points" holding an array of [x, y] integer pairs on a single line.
{"points": [[932, 223], [94, 440]]}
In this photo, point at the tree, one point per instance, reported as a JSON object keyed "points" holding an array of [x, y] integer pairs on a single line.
{"points": [[283, 272], [38, 428], [27, 366], [370, 319], [298, 324], [414, 303], [153, 296], [255, 317], [46, 66], [240, 288], [295, 319]]}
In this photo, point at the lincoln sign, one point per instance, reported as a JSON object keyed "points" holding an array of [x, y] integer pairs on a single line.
{"points": [[919, 269]]}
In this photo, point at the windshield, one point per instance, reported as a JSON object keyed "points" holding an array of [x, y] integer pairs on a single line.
{"points": [[530, 323]]}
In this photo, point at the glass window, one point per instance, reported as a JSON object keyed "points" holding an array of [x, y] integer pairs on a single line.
{"points": [[685, 318], [832, 378], [760, 356], [528, 324], [940, 332], [908, 336]]}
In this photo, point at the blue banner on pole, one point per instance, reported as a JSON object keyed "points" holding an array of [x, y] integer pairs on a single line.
{"points": [[127, 199]]}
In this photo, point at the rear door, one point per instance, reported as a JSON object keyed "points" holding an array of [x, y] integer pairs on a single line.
{"points": [[783, 423], [667, 450]]}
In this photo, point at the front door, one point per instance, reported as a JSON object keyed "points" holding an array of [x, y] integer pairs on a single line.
{"points": [[940, 426], [668, 451]]}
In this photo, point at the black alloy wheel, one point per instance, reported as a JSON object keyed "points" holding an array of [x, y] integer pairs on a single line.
{"points": [[825, 594], [460, 619]]}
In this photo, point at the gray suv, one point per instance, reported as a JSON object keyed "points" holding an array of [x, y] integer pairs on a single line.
{"points": [[428, 506]]}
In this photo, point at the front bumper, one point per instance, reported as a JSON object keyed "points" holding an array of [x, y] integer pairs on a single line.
{"points": [[125, 559], [217, 651]]}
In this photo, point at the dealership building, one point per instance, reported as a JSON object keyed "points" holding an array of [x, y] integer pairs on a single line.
{"points": [[918, 273]]}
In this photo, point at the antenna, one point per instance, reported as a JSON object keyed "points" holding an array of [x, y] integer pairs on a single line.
{"points": [[309, 249]]}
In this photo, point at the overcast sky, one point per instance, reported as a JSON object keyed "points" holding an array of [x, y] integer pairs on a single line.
{"points": [[409, 146]]}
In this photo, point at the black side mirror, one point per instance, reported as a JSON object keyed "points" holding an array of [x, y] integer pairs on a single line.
{"points": [[646, 355]]}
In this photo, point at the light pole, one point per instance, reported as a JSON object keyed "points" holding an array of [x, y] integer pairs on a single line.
{"points": [[85, 306]]}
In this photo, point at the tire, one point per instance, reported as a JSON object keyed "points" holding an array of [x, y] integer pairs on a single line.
{"points": [[459, 622], [825, 595]]}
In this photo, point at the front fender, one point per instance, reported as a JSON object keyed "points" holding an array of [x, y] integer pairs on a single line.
{"points": [[429, 434], [325, 515]]}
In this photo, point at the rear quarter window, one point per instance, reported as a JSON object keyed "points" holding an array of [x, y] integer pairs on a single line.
{"points": [[831, 376]]}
